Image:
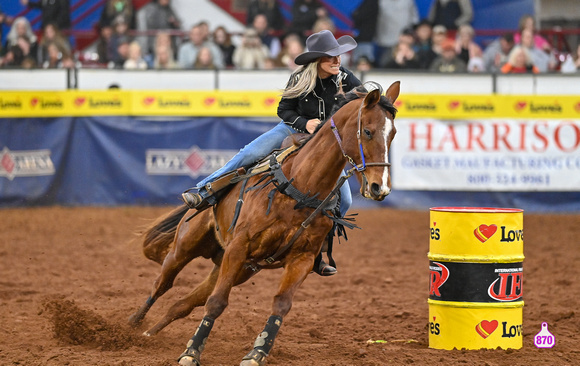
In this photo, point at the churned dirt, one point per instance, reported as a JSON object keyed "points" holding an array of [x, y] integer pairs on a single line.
{"points": [[70, 278]]}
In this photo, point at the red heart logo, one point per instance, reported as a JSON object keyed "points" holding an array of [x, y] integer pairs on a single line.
{"points": [[398, 103], [454, 104], [577, 107], [209, 101], [34, 102], [269, 101], [520, 105], [484, 232], [485, 328], [80, 101], [148, 100]]}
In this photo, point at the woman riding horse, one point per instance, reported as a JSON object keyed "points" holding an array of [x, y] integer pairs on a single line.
{"points": [[306, 101]]}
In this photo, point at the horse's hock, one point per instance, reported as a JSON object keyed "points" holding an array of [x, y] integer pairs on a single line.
{"points": [[475, 261]]}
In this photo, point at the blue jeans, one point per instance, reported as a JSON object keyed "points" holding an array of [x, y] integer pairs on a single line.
{"points": [[260, 148]]}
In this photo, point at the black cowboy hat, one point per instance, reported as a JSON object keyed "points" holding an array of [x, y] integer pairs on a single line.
{"points": [[322, 44]]}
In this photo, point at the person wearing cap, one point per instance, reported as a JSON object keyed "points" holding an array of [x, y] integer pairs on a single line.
{"points": [[306, 102], [448, 61]]}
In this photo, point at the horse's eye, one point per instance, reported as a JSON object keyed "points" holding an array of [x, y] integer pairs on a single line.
{"points": [[368, 133]]}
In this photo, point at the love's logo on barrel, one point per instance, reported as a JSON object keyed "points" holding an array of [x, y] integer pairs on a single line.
{"points": [[484, 232], [485, 328]]}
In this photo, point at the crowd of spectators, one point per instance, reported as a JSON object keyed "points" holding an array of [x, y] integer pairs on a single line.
{"points": [[389, 33]]}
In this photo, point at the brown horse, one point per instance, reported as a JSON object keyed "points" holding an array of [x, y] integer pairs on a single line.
{"points": [[360, 132]]}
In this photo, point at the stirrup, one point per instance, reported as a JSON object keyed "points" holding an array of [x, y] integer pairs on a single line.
{"points": [[324, 269]]}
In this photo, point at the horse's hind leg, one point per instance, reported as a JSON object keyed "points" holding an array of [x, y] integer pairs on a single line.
{"points": [[232, 272], [189, 244], [294, 274], [185, 306]]}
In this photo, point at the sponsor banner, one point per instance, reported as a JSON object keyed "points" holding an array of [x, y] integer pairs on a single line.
{"points": [[264, 104], [138, 103], [63, 103], [476, 282], [482, 106], [487, 155], [114, 160]]}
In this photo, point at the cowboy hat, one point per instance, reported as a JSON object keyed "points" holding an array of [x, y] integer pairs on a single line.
{"points": [[322, 44]]}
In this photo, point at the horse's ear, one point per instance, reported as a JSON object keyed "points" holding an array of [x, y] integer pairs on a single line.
{"points": [[372, 98], [393, 92]]}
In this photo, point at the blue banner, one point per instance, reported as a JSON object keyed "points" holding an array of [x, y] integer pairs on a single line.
{"points": [[109, 161]]}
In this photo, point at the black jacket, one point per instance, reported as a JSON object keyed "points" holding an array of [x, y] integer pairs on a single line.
{"points": [[53, 11], [364, 19], [317, 104]]}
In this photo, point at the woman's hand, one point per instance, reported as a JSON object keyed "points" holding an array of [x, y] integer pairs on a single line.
{"points": [[312, 124]]}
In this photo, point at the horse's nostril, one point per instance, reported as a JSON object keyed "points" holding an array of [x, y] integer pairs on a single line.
{"points": [[376, 189]]}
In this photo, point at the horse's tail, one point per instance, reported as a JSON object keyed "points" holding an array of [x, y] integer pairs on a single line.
{"points": [[158, 237]]}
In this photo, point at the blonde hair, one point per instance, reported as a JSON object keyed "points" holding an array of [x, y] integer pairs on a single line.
{"points": [[302, 81]]}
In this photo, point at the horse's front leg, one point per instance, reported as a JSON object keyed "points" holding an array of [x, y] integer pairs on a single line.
{"points": [[232, 272], [295, 272]]}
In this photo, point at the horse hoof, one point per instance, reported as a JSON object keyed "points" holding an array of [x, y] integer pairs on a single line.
{"points": [[254, 358], [135, 320], [188, 361]]}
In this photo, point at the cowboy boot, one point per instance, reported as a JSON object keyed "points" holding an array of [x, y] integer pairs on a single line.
{"points": [[192, 200]]}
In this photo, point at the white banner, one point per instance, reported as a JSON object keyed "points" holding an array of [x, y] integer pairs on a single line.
{"points": [[486, 155]]}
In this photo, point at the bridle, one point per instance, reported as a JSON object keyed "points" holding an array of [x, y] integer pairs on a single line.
{"points": [[363, 165]]}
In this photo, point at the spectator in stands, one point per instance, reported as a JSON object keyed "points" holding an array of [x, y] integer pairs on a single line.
{"points": [[426, 57], [162, 41], [104, 44], [205, 33], [394, 16], [304, 15], [475, 65], [121, 53], [542, 60], [448, 61], [450, 13], [496, 53], [527, 22], [571, 63], [155, 16], [465, 46], [204, 60], [13, 58], [404, 57], [53, 57], [364, 19], [21, 28], [364, 64], [187, 53], [52, 35], [270, 9], [251, 54], [324, 23], [120, 33], [519, 62], [164, 58], [423, 33], [223, 40], [53, 11], [135, 59], [293, 46], [261, 25], [115, 8]]}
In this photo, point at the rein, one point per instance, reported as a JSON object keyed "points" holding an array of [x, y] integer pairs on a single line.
{"points": [[363, 165]]}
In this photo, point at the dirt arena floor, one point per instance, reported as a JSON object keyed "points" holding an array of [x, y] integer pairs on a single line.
{"points": [[70, 278]]}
